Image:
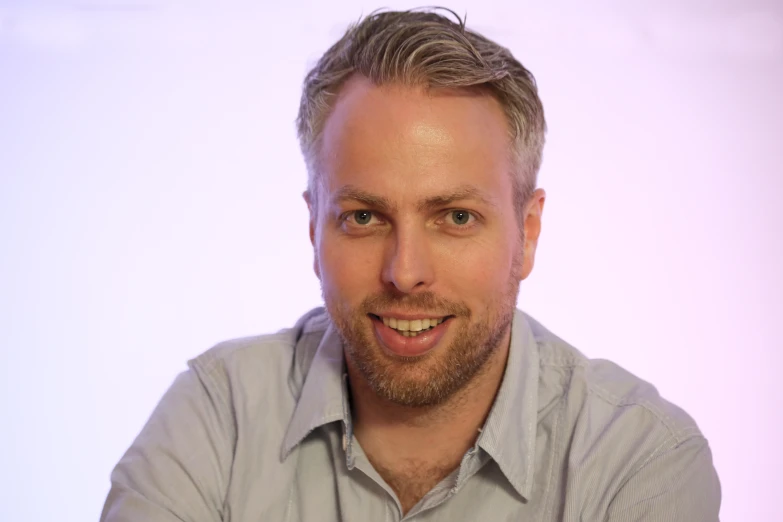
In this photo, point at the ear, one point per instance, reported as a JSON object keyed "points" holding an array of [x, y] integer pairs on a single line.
{"points": [[534, 209], [311, 209], [313, 219]]}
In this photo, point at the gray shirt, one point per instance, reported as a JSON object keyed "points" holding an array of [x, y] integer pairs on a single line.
{"points": [[260, 429]]}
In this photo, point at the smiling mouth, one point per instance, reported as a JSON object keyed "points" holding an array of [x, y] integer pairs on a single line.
{"points": [[412, 327]]}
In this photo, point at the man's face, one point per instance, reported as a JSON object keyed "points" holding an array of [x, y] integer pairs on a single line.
{"points": [[415, 221]]}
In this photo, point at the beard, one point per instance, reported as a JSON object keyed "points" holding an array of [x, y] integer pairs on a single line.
{"points": [[435, 377]]}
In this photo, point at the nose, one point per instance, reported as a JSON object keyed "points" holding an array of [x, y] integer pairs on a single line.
{"points": [[408, 265]]}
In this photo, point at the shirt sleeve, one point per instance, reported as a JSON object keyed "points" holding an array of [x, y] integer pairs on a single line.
{"points": [[678, 485], [177, 468]]}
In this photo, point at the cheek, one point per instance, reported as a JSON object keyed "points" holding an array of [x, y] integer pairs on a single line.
{"points": [[479, 270], [349, 271]]}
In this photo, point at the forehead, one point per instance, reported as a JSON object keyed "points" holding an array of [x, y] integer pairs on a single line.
{"points": [[399, 140]]}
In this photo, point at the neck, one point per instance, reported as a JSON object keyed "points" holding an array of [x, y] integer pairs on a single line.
{"points": [[440, 434]]}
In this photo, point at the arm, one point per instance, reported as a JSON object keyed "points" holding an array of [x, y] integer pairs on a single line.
{"points": [[678, 485], [177, 468]]}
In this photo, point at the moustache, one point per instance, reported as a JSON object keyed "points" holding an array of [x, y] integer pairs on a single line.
{"points": [[424, 302]]}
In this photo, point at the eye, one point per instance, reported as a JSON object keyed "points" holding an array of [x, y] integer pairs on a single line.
{"points": [[360, 217], [461, 217]]}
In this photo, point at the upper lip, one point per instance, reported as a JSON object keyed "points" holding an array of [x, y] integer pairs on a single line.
{"points": [[409, 317]]}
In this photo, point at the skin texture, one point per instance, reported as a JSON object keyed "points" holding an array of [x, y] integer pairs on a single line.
{"points": [[415, 214]]}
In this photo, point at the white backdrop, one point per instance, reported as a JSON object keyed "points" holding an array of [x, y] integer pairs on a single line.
{"points": [[150, 207]]}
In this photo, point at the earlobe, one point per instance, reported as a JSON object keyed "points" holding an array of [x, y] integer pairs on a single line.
{"points": [[315, 267], [528, 261]]}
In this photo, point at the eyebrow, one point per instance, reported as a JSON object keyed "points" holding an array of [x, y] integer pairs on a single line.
{"points": [[461, 193]]}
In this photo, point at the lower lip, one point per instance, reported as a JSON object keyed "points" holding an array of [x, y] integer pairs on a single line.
{"points": [[403, 346]]}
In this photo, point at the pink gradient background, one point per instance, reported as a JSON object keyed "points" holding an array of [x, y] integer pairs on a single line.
{"points": [[150, 206]]}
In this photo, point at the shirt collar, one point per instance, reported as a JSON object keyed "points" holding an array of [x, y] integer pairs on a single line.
{"points": [[323, 398], [508, 436]]}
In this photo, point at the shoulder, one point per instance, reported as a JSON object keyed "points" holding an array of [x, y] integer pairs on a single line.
{"points": [[275, 360], [610, 394], [623, 447]]}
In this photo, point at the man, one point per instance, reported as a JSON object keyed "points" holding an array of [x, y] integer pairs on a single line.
{"points": [[420, 392]]}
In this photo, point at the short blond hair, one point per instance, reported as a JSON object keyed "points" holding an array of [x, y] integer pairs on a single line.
{"points": [[425, 48]]}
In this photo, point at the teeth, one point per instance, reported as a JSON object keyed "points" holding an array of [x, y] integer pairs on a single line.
{"points": [[410, 328]]}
